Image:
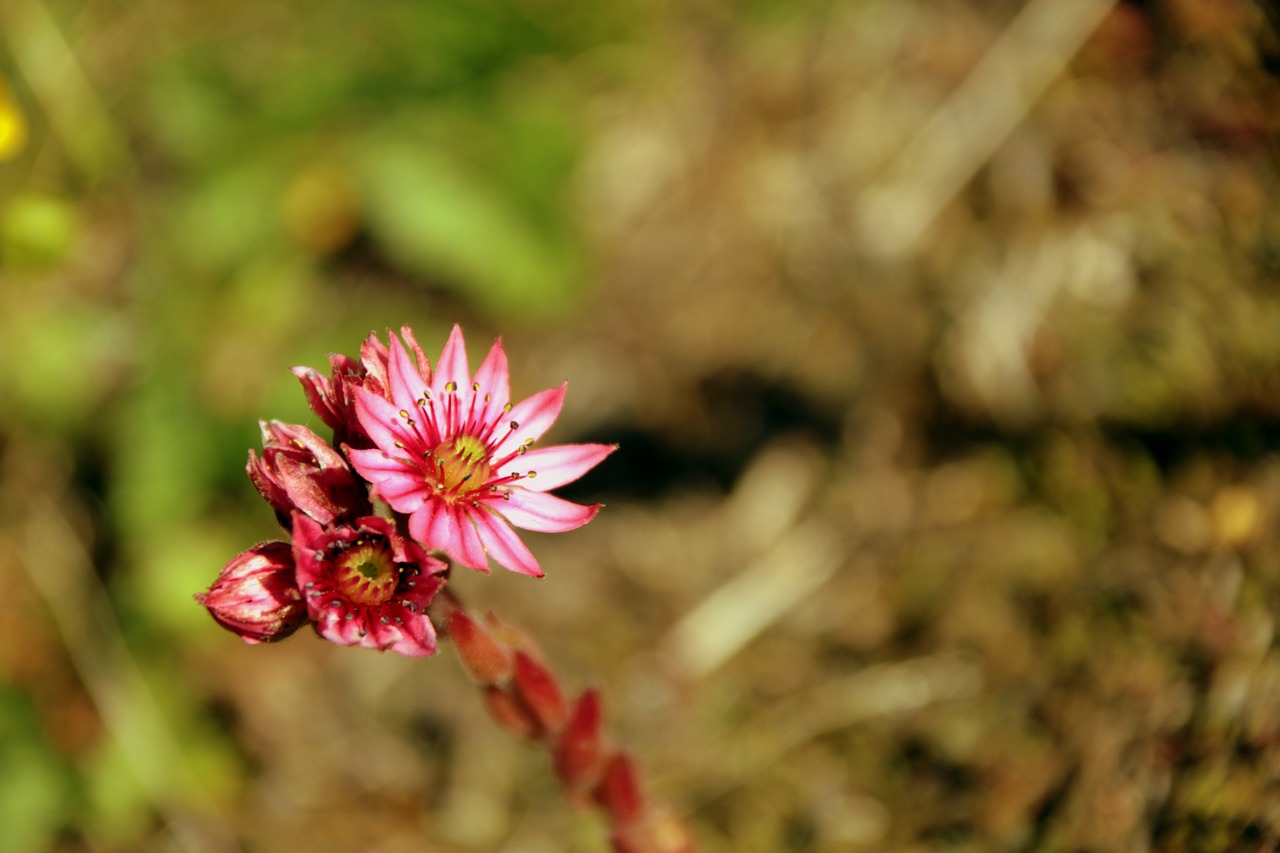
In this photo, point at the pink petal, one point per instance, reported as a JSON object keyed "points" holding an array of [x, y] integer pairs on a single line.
{"points": [[505, 546], [404, 494], [412, 636], [373, 355], [377, 466], [531, 417], [471, 542], [308, 534], [494, 389], [406, 386], [555, 466], [382, 423], [424, 364], [544, 513], [452, 366], [330, 625], [423, 527], [394, 480], [437, 525], [418, 636], [319, 393]]}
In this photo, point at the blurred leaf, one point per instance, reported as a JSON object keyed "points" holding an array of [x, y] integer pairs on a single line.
{"points": [[66, 354], [189, 115], [35, 787], [36, 231], [233, 212], [445, 223], [118, 810], [181, 562], [164, 457]]}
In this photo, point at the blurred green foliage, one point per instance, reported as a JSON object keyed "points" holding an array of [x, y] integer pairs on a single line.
{"points": [[206, 196], [1040, 440]]}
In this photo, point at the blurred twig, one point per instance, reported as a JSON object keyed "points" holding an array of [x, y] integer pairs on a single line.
{"points": [[742, 608], [53, 556], [50, 67], [884, 690], [975, 120], [763, 513]]}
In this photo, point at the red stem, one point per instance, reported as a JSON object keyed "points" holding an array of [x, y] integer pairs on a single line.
{"points": [[524, 696]]}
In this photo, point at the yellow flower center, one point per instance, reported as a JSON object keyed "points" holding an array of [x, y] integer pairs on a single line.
{"points": [[461, 466], [365, 573]]}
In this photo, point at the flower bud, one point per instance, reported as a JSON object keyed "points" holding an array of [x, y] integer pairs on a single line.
{"points": [[487, 659], [256, 595], [299, 470], [579, 752], [619, 790], [537, 688]]}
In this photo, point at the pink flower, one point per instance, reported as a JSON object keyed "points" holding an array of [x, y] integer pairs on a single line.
{"points": [[453, 453], [255, 595], [333, 399], [299, 470], [365, 585]]}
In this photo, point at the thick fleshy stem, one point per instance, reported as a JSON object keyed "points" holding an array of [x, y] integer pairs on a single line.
{"points": [[524, 696]]}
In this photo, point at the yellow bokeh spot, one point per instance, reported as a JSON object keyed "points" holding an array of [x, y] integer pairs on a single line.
{"points": [[13, 125], [1237, 514]]}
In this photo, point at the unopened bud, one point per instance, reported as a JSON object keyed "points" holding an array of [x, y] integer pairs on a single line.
{"points": [[619, 790], [484, 656], [511, 713], [256, 595], [537, 687], [580, 750]]}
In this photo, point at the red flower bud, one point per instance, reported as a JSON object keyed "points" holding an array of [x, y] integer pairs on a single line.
{"points": [[580, 750], [619, 790], [537, 688], [256, 595], [299, 470], [510, 713], [485, 657]]}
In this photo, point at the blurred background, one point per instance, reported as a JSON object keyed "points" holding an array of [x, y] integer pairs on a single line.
{"points": [[941, 338]]}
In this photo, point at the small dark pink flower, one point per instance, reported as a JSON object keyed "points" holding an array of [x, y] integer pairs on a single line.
{"points": [[333, 399], [365, 585], [453, 453], [299, 470], [256, 596]]}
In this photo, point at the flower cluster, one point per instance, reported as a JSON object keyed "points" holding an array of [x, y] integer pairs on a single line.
{"points": [[448, 458]]}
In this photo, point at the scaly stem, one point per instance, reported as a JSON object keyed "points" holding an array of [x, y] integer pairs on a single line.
{"points": [[524, 696]]}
